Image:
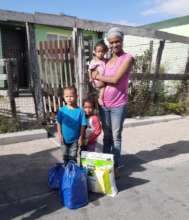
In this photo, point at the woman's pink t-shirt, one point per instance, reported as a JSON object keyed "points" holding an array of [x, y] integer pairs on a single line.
{"points": [[117, 95]]}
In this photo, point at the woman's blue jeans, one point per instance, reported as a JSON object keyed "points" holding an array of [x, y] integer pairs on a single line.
{"points": [[112, 124]]}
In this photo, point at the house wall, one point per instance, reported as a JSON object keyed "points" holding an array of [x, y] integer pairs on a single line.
{"points": [[41, 32], [174, 55], [180, 30]]}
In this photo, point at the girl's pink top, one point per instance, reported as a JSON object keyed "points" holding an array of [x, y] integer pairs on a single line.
{"points": [[117, 95], [100, 66]]}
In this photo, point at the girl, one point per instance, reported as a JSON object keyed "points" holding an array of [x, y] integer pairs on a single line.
{"points": [[93, 129], [98, 63]]}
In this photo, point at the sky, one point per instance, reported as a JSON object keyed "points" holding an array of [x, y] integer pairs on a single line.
{"points": [[128, 12]]}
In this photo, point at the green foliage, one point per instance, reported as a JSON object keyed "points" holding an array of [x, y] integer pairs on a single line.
{"points": [[173, 107], [141, 93], [8, 124]]}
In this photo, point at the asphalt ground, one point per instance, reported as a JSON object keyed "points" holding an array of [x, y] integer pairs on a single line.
{"points": [[153, 184]]}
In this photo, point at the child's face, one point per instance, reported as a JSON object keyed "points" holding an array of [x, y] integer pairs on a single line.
{"points": [[88, 108], [99, 52], [70, 97]]}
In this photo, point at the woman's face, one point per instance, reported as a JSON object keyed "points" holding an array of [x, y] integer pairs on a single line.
{"points": [[116, 44]]}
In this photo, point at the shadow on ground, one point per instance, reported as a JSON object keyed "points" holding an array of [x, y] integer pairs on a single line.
{"points": [[23, 175], [134, 162]]}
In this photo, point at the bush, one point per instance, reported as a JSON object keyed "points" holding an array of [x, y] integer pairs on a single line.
{"points": [[8, 124], [174, 107]]}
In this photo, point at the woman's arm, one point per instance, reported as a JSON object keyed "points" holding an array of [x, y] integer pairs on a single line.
{"points": [[117, 76]]}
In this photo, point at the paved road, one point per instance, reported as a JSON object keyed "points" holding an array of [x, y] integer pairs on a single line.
{"points": [[153, 186]]}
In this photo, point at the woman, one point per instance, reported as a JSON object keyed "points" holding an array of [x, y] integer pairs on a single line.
{"points": [[115, 99]]}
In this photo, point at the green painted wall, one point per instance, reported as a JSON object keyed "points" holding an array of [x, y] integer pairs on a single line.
{"points": [[41, 32], [93, 34]]}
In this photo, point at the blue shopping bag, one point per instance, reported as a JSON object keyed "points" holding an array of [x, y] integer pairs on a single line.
{"points": [[74, 191], [55, 174]]}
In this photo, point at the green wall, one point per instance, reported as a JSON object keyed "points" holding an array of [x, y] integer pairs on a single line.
{"points": [[93, 34], [41, 32]]}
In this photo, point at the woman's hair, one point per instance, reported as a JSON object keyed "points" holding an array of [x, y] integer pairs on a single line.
{"points": [[102, 44], [115, 32]]}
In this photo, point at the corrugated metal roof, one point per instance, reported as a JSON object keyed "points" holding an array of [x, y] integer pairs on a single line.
{"points": [[168, 23], [71, 22]]}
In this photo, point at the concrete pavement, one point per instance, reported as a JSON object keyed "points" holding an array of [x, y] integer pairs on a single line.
{"points": [[153, 185]]}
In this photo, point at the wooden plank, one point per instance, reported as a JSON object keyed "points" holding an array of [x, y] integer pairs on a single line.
{"points": [[71, 61], [35, 74], [55, 55], [75, 56], [159, 55], [47, 67], [41, 66], [62, 62], [59, 63], [156, 84], [151, 55], [186, 71], [164, 76], [45, 104], [65, 64], [80, 61], [44, 65], [9, 68]]}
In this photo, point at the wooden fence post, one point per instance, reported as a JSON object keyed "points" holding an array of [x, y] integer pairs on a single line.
{"points": [[80, 64], [151, 53], [9, 70], [75, 52], [34, 72], [185, 82], [155, 85]]}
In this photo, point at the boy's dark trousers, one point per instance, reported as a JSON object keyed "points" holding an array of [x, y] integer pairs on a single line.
{"points": [[69, 151]]}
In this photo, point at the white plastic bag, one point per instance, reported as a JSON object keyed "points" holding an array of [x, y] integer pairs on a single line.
{"points": [[100, 172]]}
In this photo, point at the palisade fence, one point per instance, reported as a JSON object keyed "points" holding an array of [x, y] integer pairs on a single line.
{"points": [[56, 64], [64, 63]]}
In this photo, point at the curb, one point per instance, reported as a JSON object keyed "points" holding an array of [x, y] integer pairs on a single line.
{"points": [[22, 136], [140, 121]]}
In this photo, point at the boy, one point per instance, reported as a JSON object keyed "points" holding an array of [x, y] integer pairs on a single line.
{"points": [[71, 125]]}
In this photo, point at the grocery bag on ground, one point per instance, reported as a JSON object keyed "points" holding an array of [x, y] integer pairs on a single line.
{"points": [[55, 175], [100, 169], [74, 190]]}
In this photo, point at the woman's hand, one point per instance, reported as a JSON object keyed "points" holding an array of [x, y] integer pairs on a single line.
{"points": [[118, 74], [94, 74]]}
